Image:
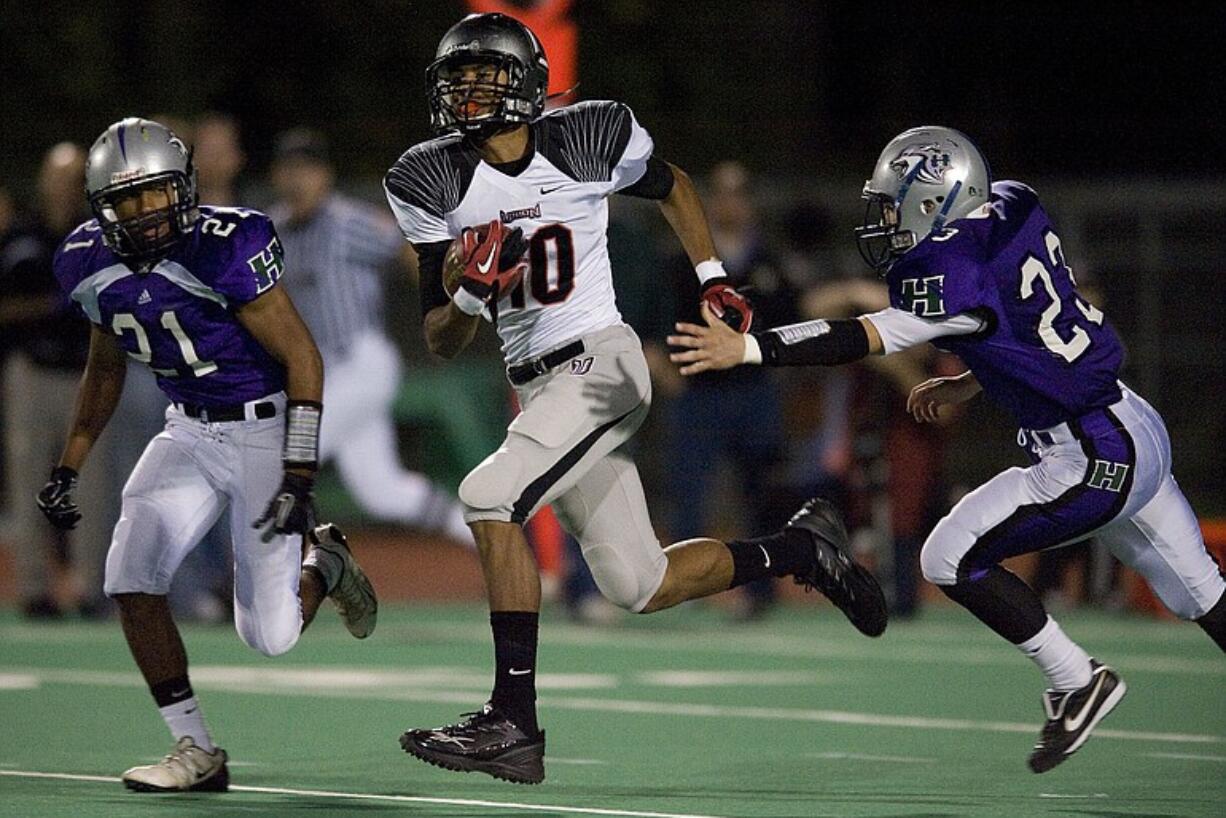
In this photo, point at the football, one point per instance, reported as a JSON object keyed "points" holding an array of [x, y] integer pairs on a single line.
{"points": [[453, 260]]}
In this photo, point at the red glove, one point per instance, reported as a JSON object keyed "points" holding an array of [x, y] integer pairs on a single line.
{"points": [[728, 304], [491, 262]]}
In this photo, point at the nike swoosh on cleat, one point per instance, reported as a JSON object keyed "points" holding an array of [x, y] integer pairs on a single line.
{"points": [[1073, 724], [485, 268], [767, 555]]}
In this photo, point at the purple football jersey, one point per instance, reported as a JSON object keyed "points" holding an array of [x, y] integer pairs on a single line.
{"points": [[1046, 355], [178, 317]]}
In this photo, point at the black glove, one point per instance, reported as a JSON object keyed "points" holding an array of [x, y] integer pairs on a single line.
{"points": [[56, 501], [291, 510]]}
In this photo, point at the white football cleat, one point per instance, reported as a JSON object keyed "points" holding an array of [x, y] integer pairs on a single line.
{"points": [[353, 595], [186, 769]]}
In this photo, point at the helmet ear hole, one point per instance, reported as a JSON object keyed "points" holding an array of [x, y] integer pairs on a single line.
{"points": [[929, 205]]}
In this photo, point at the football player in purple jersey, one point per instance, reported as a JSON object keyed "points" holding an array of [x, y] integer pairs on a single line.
{"points": [[192, 293], [977, 268]]}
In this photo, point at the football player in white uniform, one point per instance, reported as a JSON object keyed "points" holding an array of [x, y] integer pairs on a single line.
{"points": [[540, 184]]}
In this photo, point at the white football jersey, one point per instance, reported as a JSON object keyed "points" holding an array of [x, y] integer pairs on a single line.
{"points": [[581, 154]]}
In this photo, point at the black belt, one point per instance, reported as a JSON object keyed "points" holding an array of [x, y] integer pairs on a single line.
{"points": [[520, 374], [223, 414]]}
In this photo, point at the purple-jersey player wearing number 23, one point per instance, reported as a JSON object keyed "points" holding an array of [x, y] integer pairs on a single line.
{"points": [[978, 269], [191, 292]]}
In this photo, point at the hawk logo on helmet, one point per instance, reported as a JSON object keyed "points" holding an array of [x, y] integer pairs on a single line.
{"points": [[932, 161]]}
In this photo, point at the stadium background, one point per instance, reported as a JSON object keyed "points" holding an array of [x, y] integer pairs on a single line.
{"points": [[1111, 112]]}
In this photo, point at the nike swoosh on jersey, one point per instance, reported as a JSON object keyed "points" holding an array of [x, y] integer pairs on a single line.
{"points": [[545, 191], [485, 268], [1072, 724]]}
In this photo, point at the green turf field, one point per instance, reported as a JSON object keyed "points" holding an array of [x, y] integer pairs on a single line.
{"points": [[679, 714]]}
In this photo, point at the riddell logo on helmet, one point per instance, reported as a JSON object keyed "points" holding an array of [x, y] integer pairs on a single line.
{"points": [[471, 45], [125, 175]]}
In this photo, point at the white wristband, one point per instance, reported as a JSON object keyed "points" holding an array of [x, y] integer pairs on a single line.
{"points": [[467, 303], [709, 269], [753, 352]]}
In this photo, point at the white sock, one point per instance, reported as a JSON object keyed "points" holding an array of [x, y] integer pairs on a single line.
{"points": [[1063, 662], [185, 719]]}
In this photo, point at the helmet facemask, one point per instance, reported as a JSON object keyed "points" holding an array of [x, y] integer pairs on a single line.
{"points": [[478, 93], [880, 239], [149, 234]]}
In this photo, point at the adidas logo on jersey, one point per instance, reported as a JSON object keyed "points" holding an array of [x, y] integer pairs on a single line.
{"points": [[145, 298], [508, 216]]}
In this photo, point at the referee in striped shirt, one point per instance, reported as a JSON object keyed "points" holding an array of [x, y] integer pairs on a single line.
{"points": [[337, 251]]}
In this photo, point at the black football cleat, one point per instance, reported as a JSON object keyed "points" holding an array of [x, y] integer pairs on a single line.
{"points": [[844, 581], [1071, 716], [485, 742]]}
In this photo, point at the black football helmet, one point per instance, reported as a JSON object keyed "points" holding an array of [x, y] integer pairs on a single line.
{"points": [[489, 73]]}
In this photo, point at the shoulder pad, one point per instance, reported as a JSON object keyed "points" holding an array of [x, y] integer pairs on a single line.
{"points": [[433, 175], [585, 140]]}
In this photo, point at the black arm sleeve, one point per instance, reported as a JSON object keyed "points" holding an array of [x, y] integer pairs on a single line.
{"points": [[824, 343], [430, 274], [656, 182]]}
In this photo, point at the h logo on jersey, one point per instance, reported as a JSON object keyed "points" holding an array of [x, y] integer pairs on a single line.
{"points": [[924, 296], [267, 265], [581, 366], [1108, 476]]}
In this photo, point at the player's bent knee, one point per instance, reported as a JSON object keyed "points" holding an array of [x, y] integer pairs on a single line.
{"points": [[942, 552], [624, 583], [272, 640], [493, 484]]}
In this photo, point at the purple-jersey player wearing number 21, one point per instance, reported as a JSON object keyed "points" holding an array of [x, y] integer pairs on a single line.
{"points": [[977, 268], [192, 293]]}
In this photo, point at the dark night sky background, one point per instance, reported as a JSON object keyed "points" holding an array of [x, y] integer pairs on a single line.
{"points": [[1075, 89]]}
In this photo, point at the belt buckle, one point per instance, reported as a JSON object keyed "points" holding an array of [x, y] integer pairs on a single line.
{"points": [[538, 367]]}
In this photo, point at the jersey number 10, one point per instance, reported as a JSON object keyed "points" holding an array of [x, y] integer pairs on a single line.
{"points": [[544, 291], [1033, 270]]}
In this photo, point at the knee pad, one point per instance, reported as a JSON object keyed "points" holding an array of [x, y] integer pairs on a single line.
{"points": [[273, 640], [134, 559], [627, 584], [494, 484], [944, 550]]}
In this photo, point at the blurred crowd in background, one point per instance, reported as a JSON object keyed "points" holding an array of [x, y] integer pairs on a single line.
{"points": [[777, 108]]}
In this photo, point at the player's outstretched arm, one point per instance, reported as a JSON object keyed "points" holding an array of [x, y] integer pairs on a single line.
{"points": [[824, 343], [925, 401], [682, 208], [96, 400]]}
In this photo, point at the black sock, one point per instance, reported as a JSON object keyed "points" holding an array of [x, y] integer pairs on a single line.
{"points": [[171, 691], [1214, 623], [776, 555], [515, 634], [1002, 602]]}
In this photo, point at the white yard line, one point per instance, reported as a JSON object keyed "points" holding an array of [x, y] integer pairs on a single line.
{"points": [[837, 756], [403, 799], [1186, 757], [255, 683]]}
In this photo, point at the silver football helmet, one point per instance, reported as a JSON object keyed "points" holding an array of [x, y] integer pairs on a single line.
{"points": [[131, 156], [925, 178]]}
